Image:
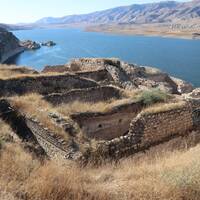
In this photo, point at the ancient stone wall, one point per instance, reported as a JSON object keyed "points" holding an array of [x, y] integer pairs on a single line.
{"points": [[151, 128], [87, 64], [19, 126], [97, 75], [53, 148], [148, 130], [43, 84], [95, 94], [55, 68], [108, 125]]}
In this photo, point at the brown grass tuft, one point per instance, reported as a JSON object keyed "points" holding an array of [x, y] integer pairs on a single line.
{"points": [[77, 106], [163, 107], [167, 175]]}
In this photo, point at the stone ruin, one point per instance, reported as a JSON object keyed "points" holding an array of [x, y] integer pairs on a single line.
{"points": [[122, 130]]}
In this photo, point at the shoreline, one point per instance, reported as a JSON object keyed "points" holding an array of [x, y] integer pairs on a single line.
{"points": [[145, 34], [146, 30], [11, 54]]}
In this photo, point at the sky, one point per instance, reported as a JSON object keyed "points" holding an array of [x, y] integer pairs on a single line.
{"points": [[25, 11]]}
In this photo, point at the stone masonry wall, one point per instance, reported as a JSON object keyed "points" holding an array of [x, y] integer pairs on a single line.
{"points": [[108, 125], [151, 128], [53, 148], [97, 75], [95, 94], [43, 84], [146, 131]]}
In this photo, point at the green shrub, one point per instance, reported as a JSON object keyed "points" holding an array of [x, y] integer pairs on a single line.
{"points": [[151, 96]]}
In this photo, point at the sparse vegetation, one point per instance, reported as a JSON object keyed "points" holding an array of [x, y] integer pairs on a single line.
{"points": [[5, 133], [155, 175], [151, 96], [77, 106], [13, 71], [162, 173], [162, 107]]}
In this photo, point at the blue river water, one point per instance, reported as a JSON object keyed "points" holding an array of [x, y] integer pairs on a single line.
{"points": [[178, 57]]}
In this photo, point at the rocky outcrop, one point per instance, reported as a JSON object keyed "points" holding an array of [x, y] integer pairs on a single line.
{"points": [[48, 43], [183, 86], [30, 45], [194, 98], [9, 45]]}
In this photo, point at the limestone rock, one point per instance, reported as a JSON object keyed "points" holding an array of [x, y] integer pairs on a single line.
{"points": [[195, 93], [30, 45], [183, 86], [48, 43]]}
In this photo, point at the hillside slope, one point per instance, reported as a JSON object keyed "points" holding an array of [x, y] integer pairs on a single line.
{"points": [[169, 11], [9, 45]]}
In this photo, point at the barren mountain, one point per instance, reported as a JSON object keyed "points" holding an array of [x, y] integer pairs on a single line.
{"points": [[168, 11]]}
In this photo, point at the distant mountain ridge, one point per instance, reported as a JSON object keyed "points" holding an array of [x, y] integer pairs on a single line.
{"points": [[162, 12]]}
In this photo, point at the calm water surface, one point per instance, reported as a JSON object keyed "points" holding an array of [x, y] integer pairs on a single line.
{"points": [[179, 57]]}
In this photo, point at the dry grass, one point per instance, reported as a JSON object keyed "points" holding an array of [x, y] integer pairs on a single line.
{"points": [[152, 70], [5, 133], [161, 176], [77, 106], [33, 106], [163, 107], [132, 94], [13, 71]]}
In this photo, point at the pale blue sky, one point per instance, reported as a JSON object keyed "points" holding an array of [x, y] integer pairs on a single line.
{"points": [[15, 11]]}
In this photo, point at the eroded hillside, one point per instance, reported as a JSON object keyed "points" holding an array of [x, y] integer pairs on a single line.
{"points": [[98, 129], [96, 108]]}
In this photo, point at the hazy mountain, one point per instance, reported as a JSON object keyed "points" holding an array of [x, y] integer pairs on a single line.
{"points": [[11, 27], [168, 11], [5, 26]]}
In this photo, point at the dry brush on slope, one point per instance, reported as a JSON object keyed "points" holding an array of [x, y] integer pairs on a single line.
{"points": [[160, 174]]}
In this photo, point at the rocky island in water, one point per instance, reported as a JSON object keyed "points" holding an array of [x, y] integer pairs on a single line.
{"points": [[11, 46]]}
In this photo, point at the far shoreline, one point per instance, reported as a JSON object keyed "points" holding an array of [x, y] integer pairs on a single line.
{"points": [[151, 30], [148, 30]]}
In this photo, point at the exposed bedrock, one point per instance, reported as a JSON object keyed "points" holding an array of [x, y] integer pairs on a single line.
{"points": [[30, 45], [43, 84], [9, 45]]}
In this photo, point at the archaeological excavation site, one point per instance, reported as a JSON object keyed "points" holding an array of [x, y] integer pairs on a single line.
{"points": [[96, 109]]}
